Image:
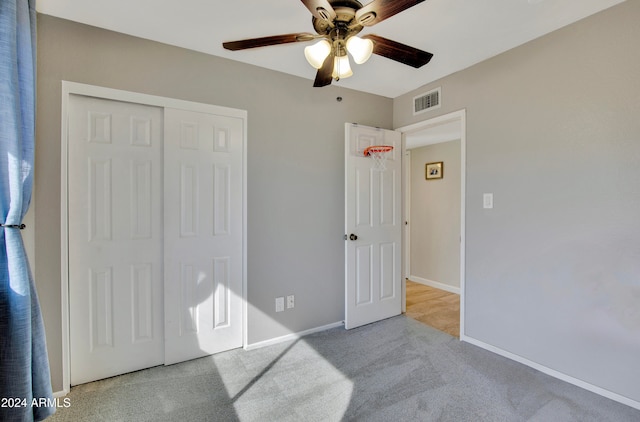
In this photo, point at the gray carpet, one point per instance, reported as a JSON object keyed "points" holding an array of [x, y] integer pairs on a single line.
{"points": [[393, 370]]}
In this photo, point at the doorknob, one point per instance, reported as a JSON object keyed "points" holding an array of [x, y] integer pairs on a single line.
{"points": [[353, 237]]}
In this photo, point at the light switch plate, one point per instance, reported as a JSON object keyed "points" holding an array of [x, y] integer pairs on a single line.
{"points": [[280, 304], [487, 200]]}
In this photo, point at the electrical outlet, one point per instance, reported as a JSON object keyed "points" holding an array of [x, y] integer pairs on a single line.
{"points": [[280, 304], [291, 301]]}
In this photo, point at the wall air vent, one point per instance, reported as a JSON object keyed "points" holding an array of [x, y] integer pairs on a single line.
{"points": [[427, 101]]}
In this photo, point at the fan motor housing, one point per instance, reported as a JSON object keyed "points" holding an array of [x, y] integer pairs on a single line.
{"points": [[345, 14]]}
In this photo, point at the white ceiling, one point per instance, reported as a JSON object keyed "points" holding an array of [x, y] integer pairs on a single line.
{"points": [[459, 33]]}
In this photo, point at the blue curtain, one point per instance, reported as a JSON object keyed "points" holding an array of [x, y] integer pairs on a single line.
{"points": [[25, 385]]}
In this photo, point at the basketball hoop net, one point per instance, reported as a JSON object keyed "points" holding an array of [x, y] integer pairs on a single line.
{"points": [[379, 155]]}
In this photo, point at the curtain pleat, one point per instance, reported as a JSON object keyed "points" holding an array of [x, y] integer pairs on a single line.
{"points": [[25, 384]]}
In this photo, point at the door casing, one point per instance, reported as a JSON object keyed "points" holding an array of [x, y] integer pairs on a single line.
{"points": [[459, 117]]}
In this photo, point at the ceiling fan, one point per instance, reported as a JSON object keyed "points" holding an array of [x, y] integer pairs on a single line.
{"points": [[337, 22]]}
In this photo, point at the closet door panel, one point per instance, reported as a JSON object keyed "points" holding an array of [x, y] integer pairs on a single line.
{"points": [[115, 237], [203, 234]]}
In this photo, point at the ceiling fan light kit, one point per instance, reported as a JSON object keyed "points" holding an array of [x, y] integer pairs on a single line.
{"points": [[317, 53], [337, 23], [341, 68], [360, 49]]}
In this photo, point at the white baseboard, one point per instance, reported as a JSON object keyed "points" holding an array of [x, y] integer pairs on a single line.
{"points": [[435, 284], [552, 372], [293, 336], [59, 394]]}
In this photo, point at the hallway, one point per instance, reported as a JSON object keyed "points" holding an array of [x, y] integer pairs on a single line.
{"points": [[434, 307]]}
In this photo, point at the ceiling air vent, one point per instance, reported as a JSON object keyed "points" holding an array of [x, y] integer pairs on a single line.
{"points": [[427, 101]]}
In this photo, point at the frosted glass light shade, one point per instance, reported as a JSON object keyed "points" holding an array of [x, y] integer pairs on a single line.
{"points": [[341, 68], [315, 54], [360, 49]]}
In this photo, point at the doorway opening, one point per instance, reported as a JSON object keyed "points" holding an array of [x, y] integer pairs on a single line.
{"points": [[434, 212]]}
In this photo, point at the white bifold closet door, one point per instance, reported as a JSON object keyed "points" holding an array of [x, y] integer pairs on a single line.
{"points": [[155, 236]]}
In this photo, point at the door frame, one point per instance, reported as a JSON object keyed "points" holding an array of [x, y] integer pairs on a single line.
{"points": [[456, 116], [74, 88]]}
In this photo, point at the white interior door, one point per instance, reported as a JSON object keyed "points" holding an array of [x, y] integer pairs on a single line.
{"points": [[373, 216], [115, 238], [203, 226]]}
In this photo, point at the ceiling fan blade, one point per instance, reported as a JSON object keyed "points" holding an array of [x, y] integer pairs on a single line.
{"points": [[324, 75], [379, 10], [267, 41], [399, 52], [321, 9]]}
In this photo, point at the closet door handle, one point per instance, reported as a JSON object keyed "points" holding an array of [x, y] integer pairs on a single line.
{"points": [[353, 237]]}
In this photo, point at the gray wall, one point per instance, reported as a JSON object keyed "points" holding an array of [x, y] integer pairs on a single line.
{"points": [[553, 130], [295, 166], [435, 215]]}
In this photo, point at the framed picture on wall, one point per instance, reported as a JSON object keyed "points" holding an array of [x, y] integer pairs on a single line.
{"points": [[434, 170]]}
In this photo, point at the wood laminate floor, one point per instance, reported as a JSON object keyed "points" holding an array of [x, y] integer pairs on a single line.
{"points": [[434, 307]]}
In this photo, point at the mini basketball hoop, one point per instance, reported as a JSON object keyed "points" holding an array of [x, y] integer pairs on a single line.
{"points": [[379, 155]]}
